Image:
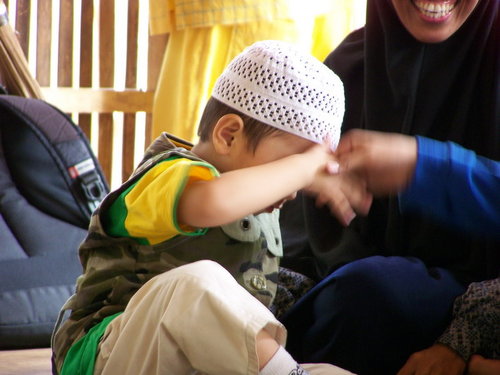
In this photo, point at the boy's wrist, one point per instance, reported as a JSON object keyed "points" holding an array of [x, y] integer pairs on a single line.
{"points": [[317, 166], [305, 164]]}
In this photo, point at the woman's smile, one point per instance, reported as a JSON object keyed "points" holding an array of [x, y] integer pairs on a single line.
{"points": [[434, 11], [433, 21]]}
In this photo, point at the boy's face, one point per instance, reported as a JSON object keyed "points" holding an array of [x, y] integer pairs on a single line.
{"points": [[270, 148]]}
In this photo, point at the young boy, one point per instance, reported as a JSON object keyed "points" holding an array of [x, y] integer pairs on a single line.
{"points": [[176, 255]]}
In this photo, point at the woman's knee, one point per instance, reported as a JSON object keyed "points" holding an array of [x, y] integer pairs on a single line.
{"points": [[394, 275], [364, 280], [393, 287]]}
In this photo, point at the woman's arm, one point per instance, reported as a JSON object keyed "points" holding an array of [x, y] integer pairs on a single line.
{"points": [[439, 179], [456, 187]]}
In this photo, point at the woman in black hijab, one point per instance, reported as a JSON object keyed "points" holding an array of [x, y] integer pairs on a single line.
{"points": [[389, 280]]}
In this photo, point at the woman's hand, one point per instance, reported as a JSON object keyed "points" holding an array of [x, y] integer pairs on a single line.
{"points": [[436, 360], [386, 161], [481, 366]]}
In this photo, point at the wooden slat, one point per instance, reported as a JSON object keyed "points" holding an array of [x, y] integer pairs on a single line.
{"points": [[65, 58], [157, 45], [106, 79], [87, 100], [23, 13], [86, 43], [106, 43], [86, 27], [84, 121], [132, 29], [44, 26], [129, 120], [129, 126], [148, 130]]}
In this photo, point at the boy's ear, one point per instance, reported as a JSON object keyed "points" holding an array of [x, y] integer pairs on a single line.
{"points": [[227, 131]]}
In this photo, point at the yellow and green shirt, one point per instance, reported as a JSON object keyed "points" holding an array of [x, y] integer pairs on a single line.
{"points": [[147, 209]]}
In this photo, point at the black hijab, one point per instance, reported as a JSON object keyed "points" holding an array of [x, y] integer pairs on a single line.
{"points": [[446, 91]]}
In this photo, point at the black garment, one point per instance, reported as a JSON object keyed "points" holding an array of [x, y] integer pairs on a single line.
{"points": [[371, 314], [393, 83], [446, 91]]}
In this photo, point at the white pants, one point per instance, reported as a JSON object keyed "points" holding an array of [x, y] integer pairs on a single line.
{"points": [[195, 319]]}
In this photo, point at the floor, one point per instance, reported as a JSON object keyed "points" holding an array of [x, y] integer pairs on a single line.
{"points": [[25, 362]]}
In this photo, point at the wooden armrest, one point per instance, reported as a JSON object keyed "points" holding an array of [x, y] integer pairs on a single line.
{"points": [[87, 100]]}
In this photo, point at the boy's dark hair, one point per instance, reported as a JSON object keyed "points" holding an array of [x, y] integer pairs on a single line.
{"points": [[254, 129]]}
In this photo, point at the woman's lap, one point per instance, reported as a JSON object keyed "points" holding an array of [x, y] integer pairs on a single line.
{"points": [[370, 315]]}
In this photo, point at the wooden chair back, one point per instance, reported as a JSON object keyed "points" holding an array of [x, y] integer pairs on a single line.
{"points": [[95, 60]]}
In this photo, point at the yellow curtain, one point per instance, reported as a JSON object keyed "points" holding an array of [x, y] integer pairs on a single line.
{"points": [[205, 35]]}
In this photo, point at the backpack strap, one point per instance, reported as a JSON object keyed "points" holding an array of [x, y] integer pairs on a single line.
{"points": [[77, 176], [91, 182]]}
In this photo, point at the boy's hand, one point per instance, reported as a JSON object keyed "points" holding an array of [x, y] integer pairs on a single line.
{"points": [[345, 194]]}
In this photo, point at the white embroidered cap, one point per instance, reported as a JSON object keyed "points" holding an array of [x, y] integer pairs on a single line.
{"points": [[279, 85]]}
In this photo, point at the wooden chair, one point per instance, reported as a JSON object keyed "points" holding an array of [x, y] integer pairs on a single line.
{"points": [[70, 46]]}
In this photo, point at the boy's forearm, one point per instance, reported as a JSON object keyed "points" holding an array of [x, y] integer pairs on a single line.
{"points": [[245, 191]]}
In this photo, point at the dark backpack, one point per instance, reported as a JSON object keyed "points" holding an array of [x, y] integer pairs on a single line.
{"points": [[50, 182]]}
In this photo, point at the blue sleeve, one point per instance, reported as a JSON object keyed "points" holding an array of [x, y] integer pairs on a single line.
{"points": [[456, 187]]}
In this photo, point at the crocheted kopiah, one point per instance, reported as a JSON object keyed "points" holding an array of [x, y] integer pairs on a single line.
{"points": [[282, 86]]}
